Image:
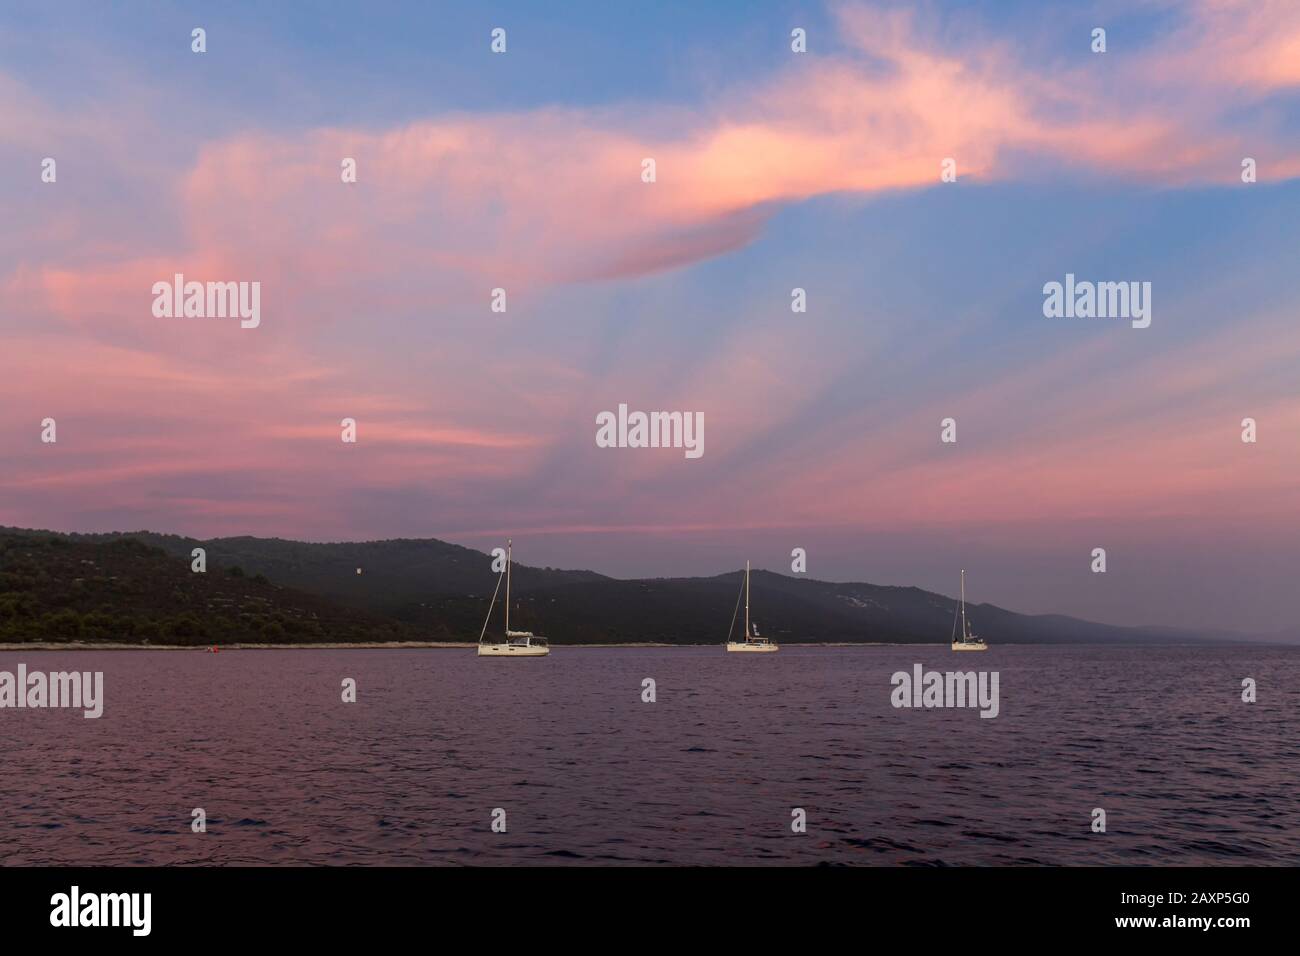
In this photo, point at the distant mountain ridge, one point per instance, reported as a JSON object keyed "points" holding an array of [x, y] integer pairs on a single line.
{"points": [[426, 589], [121, 589]]}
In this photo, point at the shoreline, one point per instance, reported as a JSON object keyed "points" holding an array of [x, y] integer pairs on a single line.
{"points": [[376, 645], [467, 645]]}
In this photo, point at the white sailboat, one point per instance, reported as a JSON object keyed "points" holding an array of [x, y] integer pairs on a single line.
{"points": [[968, 641], [753, 643], [515, 643]]}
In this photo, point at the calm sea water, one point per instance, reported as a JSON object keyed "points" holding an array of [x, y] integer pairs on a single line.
{"points": [[708, 774]]}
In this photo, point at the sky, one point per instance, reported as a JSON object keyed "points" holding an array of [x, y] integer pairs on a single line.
{"points": [[774, 170]]}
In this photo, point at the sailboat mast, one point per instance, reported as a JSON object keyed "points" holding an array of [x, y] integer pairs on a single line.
{"points": [[508, 587], [746, 600], [963, 604]]}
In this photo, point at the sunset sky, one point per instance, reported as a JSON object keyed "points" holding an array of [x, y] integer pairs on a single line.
{"points": [[775, 170]]}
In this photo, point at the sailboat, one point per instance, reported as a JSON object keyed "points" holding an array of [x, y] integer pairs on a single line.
{"points": [[968, 641], [515, 643], [753, 643]]}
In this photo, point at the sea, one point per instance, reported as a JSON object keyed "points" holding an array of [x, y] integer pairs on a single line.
{"points": [[657, 756]]}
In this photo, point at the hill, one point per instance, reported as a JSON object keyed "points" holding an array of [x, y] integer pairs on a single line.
{"points": [[121, 589], [139, 583]]}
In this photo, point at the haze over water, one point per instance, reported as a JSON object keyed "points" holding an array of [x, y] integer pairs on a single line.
{"points": [[588, 773]]}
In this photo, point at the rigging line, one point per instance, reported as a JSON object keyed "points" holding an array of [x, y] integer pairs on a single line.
{"points": [[735, 612], [954, 627], [500, 575]]}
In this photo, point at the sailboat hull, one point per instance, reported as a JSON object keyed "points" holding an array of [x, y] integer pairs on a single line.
{"points": [[512, 650], [751, 647], [958, 646]]}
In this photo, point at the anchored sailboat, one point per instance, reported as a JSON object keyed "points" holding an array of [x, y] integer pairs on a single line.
{"points": [[968, 641], [753, 643], [515, 643]]}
